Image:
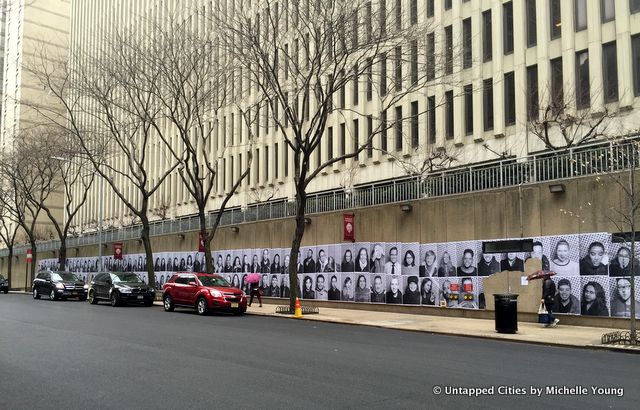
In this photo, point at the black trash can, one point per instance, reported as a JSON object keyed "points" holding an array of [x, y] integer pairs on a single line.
{"points": [[506, 313]]}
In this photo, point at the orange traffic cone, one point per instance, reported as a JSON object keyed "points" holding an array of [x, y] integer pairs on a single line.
{"points": [[298, 311]]}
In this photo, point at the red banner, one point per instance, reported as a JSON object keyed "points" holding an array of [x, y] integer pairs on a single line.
{"points": [[200, 242], [29, 256], [349, 227], [117, 250]]}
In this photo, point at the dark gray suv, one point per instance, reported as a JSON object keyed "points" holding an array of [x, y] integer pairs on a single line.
{"points": [[59, 285], [4, 285], [120, 288]]}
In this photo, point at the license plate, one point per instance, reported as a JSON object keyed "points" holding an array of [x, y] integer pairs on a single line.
{"points": [[234, 305], [140, 297]]}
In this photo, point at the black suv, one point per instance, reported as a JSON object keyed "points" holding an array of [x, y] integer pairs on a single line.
{"points": [[59, 285], [4, 285], [120, 288]]}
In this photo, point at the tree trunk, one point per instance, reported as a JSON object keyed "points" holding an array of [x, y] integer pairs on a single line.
{"points": [[146, 241], [295, 248], [9, 264], [208, 260], [62, 257], [633, 200], [34, 258]]}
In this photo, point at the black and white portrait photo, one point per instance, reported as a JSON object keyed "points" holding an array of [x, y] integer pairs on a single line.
{"points": [[285, 288], [309, 261], [621, 297], [378, 291], [394, 289], [334, 283], [567, 299], [322, 292], [446, 255], [594, 299], [428, 260], [362, 257], [468, 294], [594, 258], [348, 287], [347, 263], [393, 266], [466, 252], [540, 253], [276, 260], [449, 291], [512, 262], [429, 291], [308, 291], [363, 292], [488, 264], [565, 255], [411, 288], [377, 257], [621, 260], [410, 258]]}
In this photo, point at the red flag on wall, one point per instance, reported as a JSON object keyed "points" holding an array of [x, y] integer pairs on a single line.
{"points": [[349, 227], [200, 242], [117, 250]]}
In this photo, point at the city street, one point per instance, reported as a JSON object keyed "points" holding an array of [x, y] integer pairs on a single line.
{"points": [[73, 355]]}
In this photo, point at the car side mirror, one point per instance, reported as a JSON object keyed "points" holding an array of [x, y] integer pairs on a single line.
{"points": [[192, 283]]}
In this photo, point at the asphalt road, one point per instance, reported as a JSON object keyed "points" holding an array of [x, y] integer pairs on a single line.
{"points": [[72, 355]]}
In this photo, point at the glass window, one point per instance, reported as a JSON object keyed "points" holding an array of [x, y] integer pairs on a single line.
{"points": [[555, 19], [430, 8], [356, 136], [468, 109], [448, 60], [330, 142], [383, 74], [635, 63], [487, 104], [125, 277], [557, 84], [610, 71], [487, 49], [583, 95], [398, 14], [414, 125], [448, 96], [431, 118], [383, 131], [580, 13], [447, 4], [431, 57], [607, 10], [213, 281], [466, 43], [369, 136], [414, 11], [383, 16], [634, 6], [414, 62], [507, 27], [509, 99], [532, 92], [398, 128], [398, 68], [532, 36], [343, 141]]}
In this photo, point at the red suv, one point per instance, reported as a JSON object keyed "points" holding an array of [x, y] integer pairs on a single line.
{"points": [[204, 292]]}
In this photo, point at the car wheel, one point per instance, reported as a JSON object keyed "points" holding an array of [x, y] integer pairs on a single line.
{"points": [[168, 303], [239, 312], [52, 295], [6, 291], [201, 306], [92, 298], [36, 295], [115, 299]]}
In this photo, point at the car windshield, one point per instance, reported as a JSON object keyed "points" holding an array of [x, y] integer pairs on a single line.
{"points": [[65, 276], [213, 281], [125, 277]]}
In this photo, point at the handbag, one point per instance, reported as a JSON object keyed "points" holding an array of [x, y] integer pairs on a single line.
{"points": [[543, 315]]}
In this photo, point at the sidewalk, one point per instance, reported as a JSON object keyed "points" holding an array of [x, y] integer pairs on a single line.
{"points": [[568, 336]]}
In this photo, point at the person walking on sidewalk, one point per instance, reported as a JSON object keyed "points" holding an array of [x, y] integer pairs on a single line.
{"points": [[255, 291], [549, 298]]}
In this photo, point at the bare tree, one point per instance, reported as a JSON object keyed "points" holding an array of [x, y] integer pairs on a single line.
{"points": [[301, 57]]}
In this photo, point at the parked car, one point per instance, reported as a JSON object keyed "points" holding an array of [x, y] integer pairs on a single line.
{"points": [[4, 285], [120, 288], [59, 285], [203, 292]]}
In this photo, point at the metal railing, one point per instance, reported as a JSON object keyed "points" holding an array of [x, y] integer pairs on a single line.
{"points": [[583, 161]]}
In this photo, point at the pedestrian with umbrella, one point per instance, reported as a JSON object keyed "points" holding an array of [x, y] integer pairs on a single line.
{"points": [[253, 280], [548, 294]]}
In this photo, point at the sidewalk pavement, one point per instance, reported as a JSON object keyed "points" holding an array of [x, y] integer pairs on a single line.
{"points": [[568, 336]]}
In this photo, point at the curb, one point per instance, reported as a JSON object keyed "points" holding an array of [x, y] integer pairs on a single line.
{"points": [[535, 342]]}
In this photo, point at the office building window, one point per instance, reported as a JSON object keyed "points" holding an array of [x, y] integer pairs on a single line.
{"points": [[383, 17], [369, 136], [448, 50], [415, 138], [343, 141], [509, 99], [398, 14], [398, 128], [276, 161], [256, 169], [369, 79], [532, 36], [383, 131], [610, 71], [430, 8], [447, 4], [634, 6], [356, 136], [431, 119], [414, 62], [431, 56], [330, 142], [557, 85], [635, 63], [532, 92], [487, 48], [607, 10], [487, 104], [266, 162], [383, 74], [466, 43], [555, 19], [369, 23], [507, 28], [285, 157], [448, 103], [413, 12], [356, 85], [398, 68], [580, 14], [468, 109], [583, 94]]}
